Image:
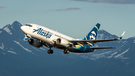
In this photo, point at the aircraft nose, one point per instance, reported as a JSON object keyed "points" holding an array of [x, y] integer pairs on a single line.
{"points": [[22, 28]]}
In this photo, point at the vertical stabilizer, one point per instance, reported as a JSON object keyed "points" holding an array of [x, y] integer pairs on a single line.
{"points": [[93, 33]]}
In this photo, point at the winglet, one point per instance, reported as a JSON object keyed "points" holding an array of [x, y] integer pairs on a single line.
{"points": [[122, 35]]}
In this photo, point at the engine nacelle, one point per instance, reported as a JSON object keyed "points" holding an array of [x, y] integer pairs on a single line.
{"points": [[58, 41], [35, 43], [62, 42]]}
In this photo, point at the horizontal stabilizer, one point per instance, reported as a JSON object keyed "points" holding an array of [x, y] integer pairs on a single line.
{"points": [[103, 48]]}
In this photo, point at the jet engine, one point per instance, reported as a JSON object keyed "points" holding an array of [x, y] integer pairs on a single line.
{"points": [[58, 41], [35, 43], [62, 42]]}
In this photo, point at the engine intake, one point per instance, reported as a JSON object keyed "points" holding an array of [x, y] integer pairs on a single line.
{"points": [[58, 41]]}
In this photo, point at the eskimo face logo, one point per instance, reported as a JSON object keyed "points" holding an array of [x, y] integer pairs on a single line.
{"points": [[40, 31], [92, 37]]}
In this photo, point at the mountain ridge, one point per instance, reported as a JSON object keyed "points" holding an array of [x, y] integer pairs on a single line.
{"points": [[18, 58]]}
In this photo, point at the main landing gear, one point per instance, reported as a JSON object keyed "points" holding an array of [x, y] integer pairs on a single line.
{"points": [[66, 51], [50, 51]]}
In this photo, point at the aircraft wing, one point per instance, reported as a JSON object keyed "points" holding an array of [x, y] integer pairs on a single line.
{"points": [[91, 41], [94, 41]]}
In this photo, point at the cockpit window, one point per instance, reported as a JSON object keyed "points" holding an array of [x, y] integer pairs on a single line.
{"points": [[28, 25]]}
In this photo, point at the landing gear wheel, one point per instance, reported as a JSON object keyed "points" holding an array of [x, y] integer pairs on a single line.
{"points": [[51, 51], [66, 51]]}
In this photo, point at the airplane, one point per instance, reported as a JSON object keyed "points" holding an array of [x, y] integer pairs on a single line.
{"points": [[38, 36]]}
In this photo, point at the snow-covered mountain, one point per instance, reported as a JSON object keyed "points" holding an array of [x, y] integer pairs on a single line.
{"points": [[18, 58]]}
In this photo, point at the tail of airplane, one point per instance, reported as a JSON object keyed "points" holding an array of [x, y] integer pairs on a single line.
{"points": [[93, 33]]}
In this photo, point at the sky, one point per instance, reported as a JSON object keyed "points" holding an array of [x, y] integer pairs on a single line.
{"points": [[74, 18]]}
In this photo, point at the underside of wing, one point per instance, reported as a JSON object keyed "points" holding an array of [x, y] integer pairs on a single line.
{"points": [[102, 48], [91, 41]]}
